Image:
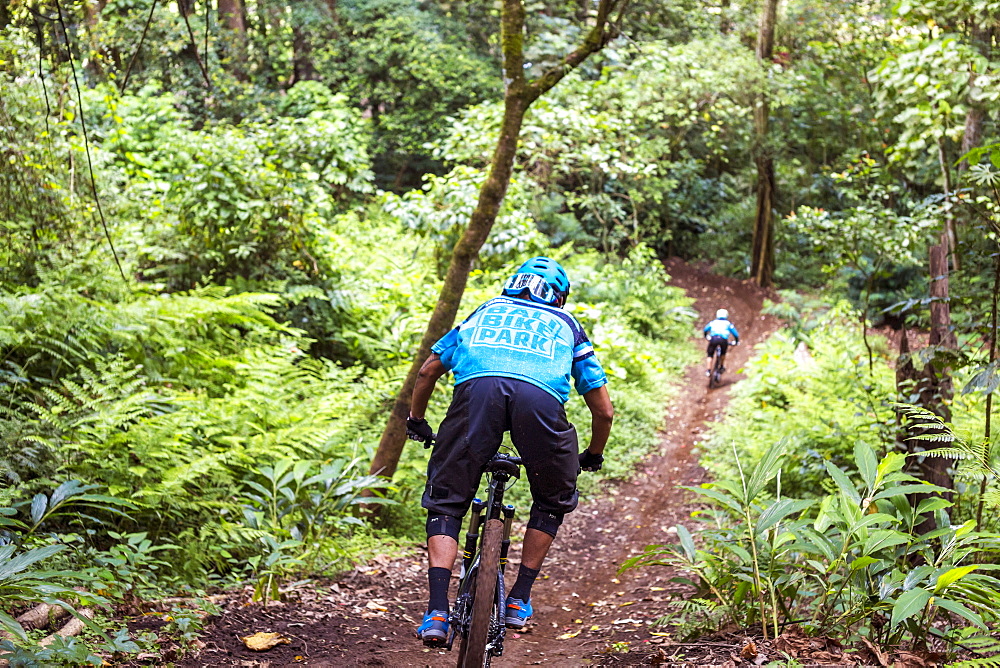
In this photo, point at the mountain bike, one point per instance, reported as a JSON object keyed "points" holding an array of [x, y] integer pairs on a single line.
{"points": [[715, 376], [477, 617]]}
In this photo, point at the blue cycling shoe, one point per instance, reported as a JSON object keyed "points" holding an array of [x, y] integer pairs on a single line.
{"points": [[518, 613], [434, 629]]}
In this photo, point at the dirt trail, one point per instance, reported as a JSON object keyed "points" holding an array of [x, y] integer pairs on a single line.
{"points": [[582, 607]]}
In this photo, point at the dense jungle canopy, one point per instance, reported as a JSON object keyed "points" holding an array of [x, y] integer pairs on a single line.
{"points": [[231, 230]]}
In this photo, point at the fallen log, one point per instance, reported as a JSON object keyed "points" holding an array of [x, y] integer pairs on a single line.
{"points": [[73, 627], [40, 616]]}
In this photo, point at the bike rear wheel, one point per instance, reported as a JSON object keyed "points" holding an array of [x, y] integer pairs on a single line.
{"points": [[472, 654], [716, 375]]}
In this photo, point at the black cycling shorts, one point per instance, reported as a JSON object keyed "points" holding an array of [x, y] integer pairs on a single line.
{"points": [[718, 342], [481, 410]]}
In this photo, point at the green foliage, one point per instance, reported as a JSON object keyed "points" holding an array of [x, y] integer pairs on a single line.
{"points": [[633, 155], [857, 564], [302, 506], [819, 397], [440, 211]]}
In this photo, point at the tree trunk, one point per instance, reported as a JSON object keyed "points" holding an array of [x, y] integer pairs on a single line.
{"points": [[303, 68], [234, 46], [762, 249], [937, 387], [92, 15], [518, 97], [982, 38]]}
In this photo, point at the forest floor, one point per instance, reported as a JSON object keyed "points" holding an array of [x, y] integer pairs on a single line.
{"points": [[586, 614]]}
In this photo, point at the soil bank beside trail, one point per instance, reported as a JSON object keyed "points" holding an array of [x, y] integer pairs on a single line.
{"points": [[583, 607]]}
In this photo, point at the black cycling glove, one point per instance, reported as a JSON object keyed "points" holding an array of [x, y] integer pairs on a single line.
{"points": [[418, 430], [591, 462]]}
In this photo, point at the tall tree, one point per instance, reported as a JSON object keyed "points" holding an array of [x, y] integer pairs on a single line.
{"points": [[234, 48], [519, 94], [762, 251]]}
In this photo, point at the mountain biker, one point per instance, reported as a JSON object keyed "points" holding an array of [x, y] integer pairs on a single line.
{"points": [[718, 332], [514, 359]]}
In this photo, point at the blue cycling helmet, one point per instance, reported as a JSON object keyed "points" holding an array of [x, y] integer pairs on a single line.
{"points": [[540, 279]]}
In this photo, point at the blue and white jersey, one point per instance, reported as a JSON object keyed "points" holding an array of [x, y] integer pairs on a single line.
{"points": [[516, 338], [720, 327]]}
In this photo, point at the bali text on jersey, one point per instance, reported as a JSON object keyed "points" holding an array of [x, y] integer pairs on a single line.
{"points": [[516, 338]]}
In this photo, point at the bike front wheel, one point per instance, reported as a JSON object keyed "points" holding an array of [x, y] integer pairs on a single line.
{"points": [[484, 604]]}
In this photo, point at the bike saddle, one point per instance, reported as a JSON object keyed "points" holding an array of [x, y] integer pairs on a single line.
{"points": [[504, 464]]}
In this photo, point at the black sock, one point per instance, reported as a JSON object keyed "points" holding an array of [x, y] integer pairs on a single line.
{"points": [[525, 578], [438, 579]]}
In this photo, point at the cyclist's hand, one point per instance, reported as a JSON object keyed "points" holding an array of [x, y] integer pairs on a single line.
{"points": [[418, 430], [591, 462]]}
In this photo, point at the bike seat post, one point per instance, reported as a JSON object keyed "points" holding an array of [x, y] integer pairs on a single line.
{"points": [[508, 520], [475, 521]]}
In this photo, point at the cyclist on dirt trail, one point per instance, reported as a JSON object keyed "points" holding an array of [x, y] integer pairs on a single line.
{"points": [[514, 359], [718, 332]]}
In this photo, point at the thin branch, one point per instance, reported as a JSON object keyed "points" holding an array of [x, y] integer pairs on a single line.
{"points": [[86, 141], [131, 62], [194, 46], [595, 40]]}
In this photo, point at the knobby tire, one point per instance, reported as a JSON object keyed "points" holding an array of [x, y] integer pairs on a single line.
{"points": [[484, 605]]}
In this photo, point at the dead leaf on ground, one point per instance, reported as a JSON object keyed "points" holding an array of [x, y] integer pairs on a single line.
{"points": [[749, 651], [880, 656], [261, 642], [913, 660]]}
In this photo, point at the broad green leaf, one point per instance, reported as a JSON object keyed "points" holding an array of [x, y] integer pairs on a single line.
{"points": [[869, 520], [892, 462], [22, 561], [867, 465], [725, 499], [687, 542], [12, 625], [38, 506], [908, 604], [766, 469], [825, 516], [925, 488], [917, 575], [952, 575], [884, 538], [843, 483], [777, 511], [861, 562], [932, 504], [960, 610]]}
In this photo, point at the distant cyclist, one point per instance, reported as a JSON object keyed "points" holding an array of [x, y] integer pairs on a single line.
{"points": [[718, 332], [514, 359]]}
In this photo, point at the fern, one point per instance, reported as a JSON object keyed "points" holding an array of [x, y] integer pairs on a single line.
{"points": [[979, 644], [979, 454]]}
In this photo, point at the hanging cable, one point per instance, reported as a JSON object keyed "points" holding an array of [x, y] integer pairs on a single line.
{"points": [[208, 11], [194, 45], [86, 140], [41, 78], [131, 62]]}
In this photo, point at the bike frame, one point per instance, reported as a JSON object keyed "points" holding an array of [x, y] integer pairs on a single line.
{"points": [[500, 470]]}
